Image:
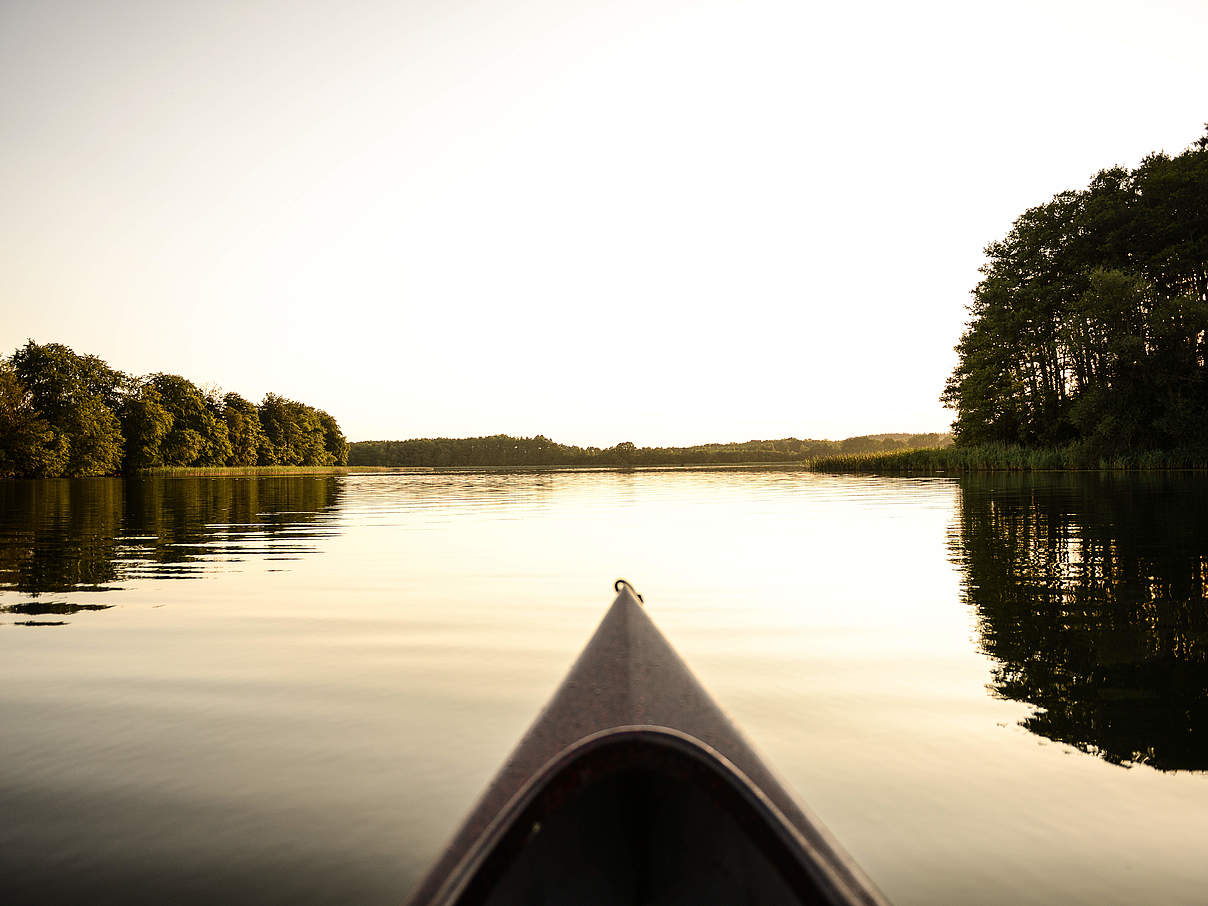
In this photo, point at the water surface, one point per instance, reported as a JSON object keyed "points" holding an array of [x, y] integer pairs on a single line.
{"points": [[291, 689]]}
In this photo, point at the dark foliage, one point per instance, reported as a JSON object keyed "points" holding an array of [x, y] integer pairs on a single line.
{"points": [[1088, 327], [64, 414], [502, 450]]}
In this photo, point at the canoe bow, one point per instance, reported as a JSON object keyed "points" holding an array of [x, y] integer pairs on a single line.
{"points": [[631, 703]]}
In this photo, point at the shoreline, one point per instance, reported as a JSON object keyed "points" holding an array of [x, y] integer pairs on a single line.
{"points": [[928, 461], [1009, 458], [271, 471], [232, 471]]}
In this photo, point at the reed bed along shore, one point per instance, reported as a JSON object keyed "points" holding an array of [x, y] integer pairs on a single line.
{"points": [[236, 471], [1007, 458]]}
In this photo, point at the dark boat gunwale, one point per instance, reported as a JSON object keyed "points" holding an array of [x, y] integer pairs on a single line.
{"points": [[628, 683], [792, 846]]}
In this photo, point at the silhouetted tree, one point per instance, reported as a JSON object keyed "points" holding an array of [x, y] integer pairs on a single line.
{"points": [[1089, 324]]}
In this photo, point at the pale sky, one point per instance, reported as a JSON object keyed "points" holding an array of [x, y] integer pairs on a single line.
{"points": [[658, 221]]}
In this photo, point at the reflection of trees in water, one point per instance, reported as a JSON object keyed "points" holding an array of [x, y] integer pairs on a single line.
{"points": [[181, 521], [60, 536], [1092, 595]]}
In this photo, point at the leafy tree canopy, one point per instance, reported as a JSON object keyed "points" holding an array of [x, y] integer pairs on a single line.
{"points": [[67, 414], [1088, 325], [28, 445], [76, 396]]}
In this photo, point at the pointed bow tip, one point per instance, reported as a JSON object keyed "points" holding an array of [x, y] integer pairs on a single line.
{"points": [[623, 587]]}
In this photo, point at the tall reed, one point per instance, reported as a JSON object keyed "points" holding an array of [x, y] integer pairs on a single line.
{"points": [[1007, 457]]}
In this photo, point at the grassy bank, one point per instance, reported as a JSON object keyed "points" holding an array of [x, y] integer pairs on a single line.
{"points": [[1006, 458], [236, 471]]}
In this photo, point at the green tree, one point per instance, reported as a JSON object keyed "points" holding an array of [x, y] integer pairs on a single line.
{"points": [[310, 437], [280, 432], [624, 452], [244, 431], [76, 395], [68, 414], [95, 442], [197, 435], [146, 422], [294, 433], [334, 443], [29, 447], [1091, 318]]}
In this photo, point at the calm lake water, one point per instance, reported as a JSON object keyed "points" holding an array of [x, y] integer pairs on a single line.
{"points": [[290, 690]]}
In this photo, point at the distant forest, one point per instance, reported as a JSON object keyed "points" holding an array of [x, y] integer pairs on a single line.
{"points": [[502, 450], [64, 414], [1088, 328]]}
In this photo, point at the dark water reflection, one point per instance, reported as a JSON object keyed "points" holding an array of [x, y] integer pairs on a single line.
{"points": [[67, 540], [311, 731], [1090, 596], [1089, 590]]}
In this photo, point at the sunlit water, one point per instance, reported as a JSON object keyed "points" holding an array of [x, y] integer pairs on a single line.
{"points": [[291, 690]]}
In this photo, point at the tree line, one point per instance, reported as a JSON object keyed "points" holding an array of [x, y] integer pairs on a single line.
{"points": [[503, 450], [65, 414], [1088, 326]]}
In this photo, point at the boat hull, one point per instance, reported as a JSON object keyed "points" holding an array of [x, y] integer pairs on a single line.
{"points": [[632, 787]]}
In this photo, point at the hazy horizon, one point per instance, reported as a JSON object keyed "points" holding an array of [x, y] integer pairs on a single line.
{"points": [[698, 443], [662, 222]]}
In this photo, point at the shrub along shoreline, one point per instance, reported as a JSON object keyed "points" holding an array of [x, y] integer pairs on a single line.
{"points": [[236, 471], [1009, 458]]}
